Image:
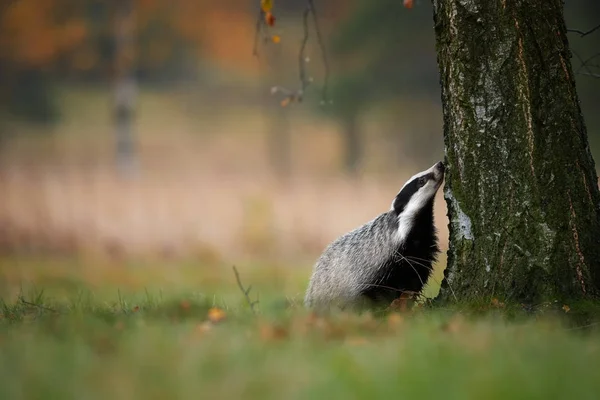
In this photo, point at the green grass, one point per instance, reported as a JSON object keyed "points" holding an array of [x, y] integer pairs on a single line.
{"points": [[122, 341]]}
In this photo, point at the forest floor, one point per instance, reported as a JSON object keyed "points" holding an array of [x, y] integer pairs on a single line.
{"points": [[178, 331]]}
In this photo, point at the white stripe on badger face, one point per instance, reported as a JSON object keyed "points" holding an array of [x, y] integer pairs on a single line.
{"points": [[417, 201]]}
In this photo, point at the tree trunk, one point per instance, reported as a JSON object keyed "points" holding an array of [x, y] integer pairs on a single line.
{"points": [[353, 155], [277, 117], [521, 185], [125, 85]]}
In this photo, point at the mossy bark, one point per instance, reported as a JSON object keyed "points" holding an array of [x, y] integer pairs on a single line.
{"points": [[521, 185]]}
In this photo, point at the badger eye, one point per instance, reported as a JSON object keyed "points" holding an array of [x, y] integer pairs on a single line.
{"points": [[421, 181]]}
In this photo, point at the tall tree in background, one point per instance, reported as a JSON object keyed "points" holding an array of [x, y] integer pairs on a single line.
{"points": [[521, 186], [125, 83], [277, 119], [370, 75]]}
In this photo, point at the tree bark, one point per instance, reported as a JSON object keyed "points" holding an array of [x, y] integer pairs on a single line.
{"points": [[125, 85], [521, 186]]}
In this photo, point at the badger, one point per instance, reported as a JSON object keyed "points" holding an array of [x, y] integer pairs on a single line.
{"points": [[379, 261]]}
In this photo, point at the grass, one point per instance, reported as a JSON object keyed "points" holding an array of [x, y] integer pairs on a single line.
{"points": [[195, 338]]}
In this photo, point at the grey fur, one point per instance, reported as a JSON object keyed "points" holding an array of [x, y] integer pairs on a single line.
{"points": [[358, 260]]}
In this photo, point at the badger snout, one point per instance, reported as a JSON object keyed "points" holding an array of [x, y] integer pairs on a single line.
{"points": [[438, 171]]}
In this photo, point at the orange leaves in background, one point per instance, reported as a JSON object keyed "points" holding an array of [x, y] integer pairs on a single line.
{"points": [[408, 4], [270, 19], [32, 36], [266, 5]]}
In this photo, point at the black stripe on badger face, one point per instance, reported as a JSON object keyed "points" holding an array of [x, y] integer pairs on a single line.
{"points": [[415, 196], [409, 190], [419, 189]]}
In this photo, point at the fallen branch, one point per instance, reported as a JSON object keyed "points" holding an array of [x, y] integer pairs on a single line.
{"points": [[28, 303], [246, 292]]}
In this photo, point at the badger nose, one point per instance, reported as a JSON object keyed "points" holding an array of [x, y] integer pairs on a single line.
{"points": [[440, 166]]}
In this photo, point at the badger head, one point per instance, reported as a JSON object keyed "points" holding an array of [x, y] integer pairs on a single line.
{"points": [[415, 199]]}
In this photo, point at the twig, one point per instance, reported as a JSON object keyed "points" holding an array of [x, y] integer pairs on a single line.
{"points": [[305, 80], [302, 60], [584, 33], [28, 303], [322, 47], [583, 326], [590, 74], [245, 291], [585, 65], [259, 21]]}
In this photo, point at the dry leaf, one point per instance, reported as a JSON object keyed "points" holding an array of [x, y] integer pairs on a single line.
{"points": [[408, 4], [497, 303], [453, 325], [395, 320], [356, 341], [271, 332], [566, 308], [216, 315], [203, 327], [276, 38], [136, 308], [185, 305], [401, 303], [285, 102]]}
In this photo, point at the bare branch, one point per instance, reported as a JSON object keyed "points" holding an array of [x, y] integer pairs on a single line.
{"points": [[246, 292], [322, 47], [585, 65], [28, 303], [302, 59], [305, 80], [259, 21], [584, 33], [593, 75]]}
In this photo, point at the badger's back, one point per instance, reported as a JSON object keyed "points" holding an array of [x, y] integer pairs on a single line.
{"points": [[373, 264]]}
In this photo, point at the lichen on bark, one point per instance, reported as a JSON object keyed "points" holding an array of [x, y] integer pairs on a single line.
{"points": [[521, 185]]}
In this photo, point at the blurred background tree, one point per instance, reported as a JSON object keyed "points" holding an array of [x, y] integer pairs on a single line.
{"points": [[209, 135]]}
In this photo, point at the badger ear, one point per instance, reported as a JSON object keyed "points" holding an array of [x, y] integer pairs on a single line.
{"points": [[404, 196]]}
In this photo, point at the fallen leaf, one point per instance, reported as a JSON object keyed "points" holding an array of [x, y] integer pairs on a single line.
{"points": [[136, 308], [497, 303], [566, 308], [203, 327], [408, 4], [272, 332], [285, 102], [356, 341], [395, 319], [215, 315], [402, 302], [185, 305], [276, 38], [453, 325]]}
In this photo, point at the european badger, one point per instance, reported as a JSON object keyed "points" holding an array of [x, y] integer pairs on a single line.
{"points": [[390, 255]]}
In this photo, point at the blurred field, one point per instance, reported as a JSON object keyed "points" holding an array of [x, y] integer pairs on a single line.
{"points": [[165, 345], [204, 189]]}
